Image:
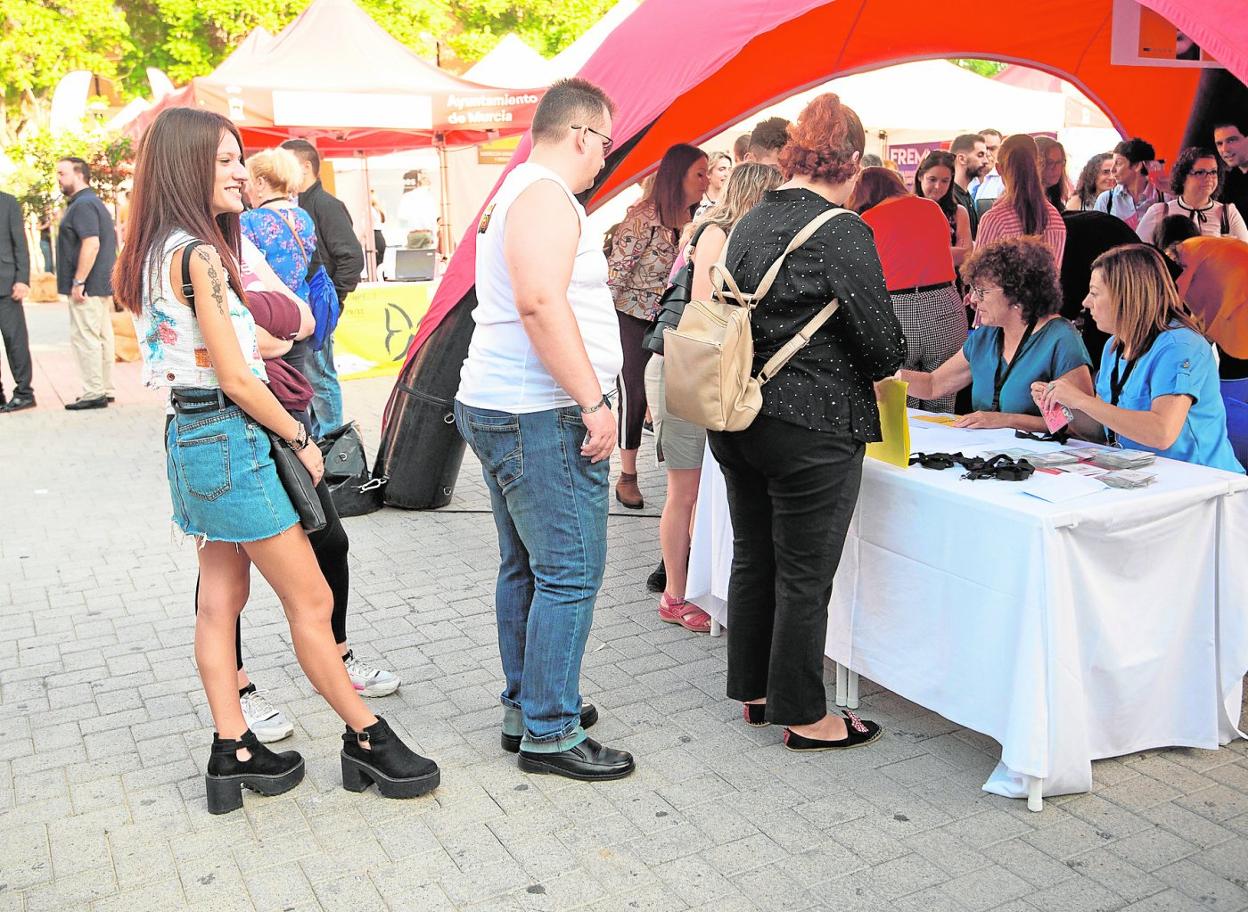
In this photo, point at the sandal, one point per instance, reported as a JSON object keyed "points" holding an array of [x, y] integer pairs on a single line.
{"points": [[686, 614]]}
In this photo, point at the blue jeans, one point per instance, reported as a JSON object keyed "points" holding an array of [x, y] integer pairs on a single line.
{"points": [[326, 407], [550, 508]]}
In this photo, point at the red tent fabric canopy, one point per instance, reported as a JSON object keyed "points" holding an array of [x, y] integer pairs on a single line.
{"points": [[335, 75], [749, 53]]}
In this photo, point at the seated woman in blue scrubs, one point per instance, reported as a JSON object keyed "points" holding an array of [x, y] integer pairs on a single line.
{"points": [[1019, 339], [1158, 385]]}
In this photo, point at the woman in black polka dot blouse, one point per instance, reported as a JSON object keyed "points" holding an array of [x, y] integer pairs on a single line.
{"points": [[793, 475]]}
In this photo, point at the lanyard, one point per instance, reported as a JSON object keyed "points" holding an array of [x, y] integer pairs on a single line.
{"points": [[999, 378], [1115, 389]]}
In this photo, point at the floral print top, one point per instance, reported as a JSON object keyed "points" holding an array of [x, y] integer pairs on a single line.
{"points": [[274, 232], [642, 255], [173, 348]]}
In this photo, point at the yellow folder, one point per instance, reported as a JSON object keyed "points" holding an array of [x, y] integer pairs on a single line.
{"points": [[895, 424]]}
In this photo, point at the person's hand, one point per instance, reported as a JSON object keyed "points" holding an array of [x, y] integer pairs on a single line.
{"points": [[78, 294], [20, 290], [600, 434], [1057, 392], [311, 458], [982, 420]]}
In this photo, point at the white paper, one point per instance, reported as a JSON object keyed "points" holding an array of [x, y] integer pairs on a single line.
{"points": [[1060, 488]]}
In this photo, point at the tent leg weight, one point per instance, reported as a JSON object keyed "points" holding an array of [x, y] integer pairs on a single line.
{"points": [[421, 449]]}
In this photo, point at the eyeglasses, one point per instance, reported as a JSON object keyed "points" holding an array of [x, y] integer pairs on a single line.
{"points": [[977, 293], [607, 141], [1202, 172]]}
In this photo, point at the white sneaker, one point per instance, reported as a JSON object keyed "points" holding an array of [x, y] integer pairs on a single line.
{"points": [[265, 720], [370, 681]]}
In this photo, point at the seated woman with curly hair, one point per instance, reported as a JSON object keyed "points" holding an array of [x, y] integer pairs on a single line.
{"points": [[1020, 339]]}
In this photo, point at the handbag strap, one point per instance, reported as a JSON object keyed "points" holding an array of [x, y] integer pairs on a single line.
{"points": [[797, 343], [769, 277], [281, 213], [188, 289]]}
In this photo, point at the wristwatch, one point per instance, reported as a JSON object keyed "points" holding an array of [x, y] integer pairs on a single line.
{"points": [[78, 282]]}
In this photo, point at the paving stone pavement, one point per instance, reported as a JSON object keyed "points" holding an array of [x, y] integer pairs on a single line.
{"points": [[104, 735]]}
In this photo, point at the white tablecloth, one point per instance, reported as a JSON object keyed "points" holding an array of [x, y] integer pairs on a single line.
{"points": [[1069, 632]]}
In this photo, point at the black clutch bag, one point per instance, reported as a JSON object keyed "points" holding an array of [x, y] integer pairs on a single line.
{"points": [[298, 484]]}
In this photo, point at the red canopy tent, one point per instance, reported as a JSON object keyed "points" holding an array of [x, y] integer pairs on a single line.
{"points": [[336, 76], [749, 53]]}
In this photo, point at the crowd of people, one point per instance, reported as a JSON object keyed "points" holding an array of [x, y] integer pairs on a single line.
{"points": [[983, 285]]}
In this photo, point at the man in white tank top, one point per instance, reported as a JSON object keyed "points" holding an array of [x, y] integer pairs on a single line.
{"points": [[533, 403]]}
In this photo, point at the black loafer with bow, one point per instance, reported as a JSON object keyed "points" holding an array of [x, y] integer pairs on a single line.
{"points": [[857, 733]]}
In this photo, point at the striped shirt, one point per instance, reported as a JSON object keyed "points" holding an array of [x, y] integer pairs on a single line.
{"points": [[1002, 222]]}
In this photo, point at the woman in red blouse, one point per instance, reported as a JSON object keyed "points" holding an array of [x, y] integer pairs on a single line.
{"points": [[912, 237]]}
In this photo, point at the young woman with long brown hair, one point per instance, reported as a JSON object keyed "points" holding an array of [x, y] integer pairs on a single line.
{"points": [[1023, 209], [643, 251], [199, 342], [681, 444]]}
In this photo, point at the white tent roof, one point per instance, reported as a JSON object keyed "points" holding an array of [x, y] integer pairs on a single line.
{"points": [[933, 96], [512, 63], [569, 61]]}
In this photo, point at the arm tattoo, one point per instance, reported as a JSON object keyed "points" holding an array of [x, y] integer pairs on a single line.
{"points": [[215, 279]]}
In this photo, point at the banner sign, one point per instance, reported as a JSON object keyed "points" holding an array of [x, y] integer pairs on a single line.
{"points": [[377, 326], [908, 156], [1143, 37]]}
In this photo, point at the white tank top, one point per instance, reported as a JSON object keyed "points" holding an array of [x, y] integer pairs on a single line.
{"points": [[503, 371], [173, 348]]}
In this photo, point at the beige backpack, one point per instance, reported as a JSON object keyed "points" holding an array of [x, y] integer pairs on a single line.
{"points": [[709, 356]]}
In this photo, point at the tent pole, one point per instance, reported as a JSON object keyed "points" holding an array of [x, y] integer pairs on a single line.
{"points": [[444, 228], [370, 242]]}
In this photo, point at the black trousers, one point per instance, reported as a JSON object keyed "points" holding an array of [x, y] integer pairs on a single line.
{"points": [[791, 495], [632, 380], [16, 344]]}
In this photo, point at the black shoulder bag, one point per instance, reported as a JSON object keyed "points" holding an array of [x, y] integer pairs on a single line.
{"points": [[673, 302], [292, 472]]}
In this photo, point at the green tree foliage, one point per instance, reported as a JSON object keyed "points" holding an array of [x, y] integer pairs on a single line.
{"points": [[33, 181], [987, 68], [42, 40], [546, 25], [118, 40]]}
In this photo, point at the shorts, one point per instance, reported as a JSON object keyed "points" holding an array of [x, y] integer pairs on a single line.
{"points": [[222, 479], [679, 444]]}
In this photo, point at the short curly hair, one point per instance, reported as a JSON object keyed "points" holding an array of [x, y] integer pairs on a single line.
{"points": [[823, 142], [1186, 163], [1024, 269]]}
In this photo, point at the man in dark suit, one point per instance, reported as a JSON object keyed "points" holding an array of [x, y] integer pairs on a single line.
{"points": [[342, 255], [14, 286]]}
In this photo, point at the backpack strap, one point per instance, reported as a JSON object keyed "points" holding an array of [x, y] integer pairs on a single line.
{"points": [[777, 361], [187, 288]]}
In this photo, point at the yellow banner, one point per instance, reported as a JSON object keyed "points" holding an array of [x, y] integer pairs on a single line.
{"points": [[377, 327]]}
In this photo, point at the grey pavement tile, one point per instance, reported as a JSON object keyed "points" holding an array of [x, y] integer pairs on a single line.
{"points": [[985, 888], [104, 732], [1115, 873], [1152, 849], [1204, 886], [1167, 901]]}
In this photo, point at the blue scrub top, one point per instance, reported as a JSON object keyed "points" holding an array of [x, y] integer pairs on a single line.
{"points": [[1056, 348], [1180, 362]]}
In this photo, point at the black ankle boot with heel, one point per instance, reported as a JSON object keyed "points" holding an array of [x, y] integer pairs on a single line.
{"points": [[397, 770], [265, 771]]}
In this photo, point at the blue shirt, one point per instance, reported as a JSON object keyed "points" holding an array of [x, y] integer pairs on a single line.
{"points": [[1117, 201], [1054, 349], [1179, 363], [289, 257]]}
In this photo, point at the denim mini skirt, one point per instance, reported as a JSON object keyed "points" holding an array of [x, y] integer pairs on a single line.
{"points": [[222, 479]]}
